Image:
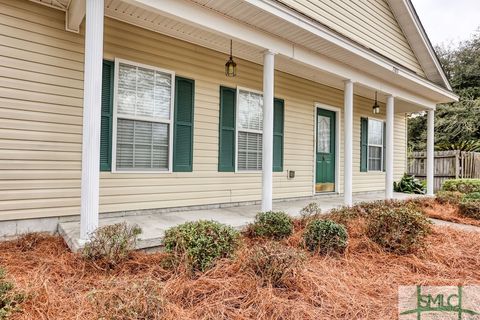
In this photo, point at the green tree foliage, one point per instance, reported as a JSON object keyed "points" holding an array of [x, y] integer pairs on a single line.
{"points": [[455, 123]]}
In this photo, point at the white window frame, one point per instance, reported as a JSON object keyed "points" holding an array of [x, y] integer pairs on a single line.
{"points": [[375, 145], [140, 118], [237, 112]]}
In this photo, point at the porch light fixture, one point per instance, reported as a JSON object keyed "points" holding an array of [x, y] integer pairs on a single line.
{"points": [[376, 107], [230, 66]]}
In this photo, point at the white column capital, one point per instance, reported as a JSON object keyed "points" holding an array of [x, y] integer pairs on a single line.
{"points": [[269, 52]]}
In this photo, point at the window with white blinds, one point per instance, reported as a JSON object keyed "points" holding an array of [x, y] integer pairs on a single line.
{"points": [[143, 117], [375, 145], [250, 130]]}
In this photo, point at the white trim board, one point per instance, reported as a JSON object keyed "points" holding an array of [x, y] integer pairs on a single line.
{"points": [[237, 91], [170, 122], [338, 115]]}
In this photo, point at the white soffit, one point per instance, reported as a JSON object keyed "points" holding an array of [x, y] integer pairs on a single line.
{"points": [[268, 24]]}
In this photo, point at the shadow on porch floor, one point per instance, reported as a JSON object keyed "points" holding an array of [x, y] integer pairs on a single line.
{"points": [[154, 225]]}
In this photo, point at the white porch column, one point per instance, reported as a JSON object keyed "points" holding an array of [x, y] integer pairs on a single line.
{"points": [[92, 96], [267, 159], [389, 149], [348, 144], [430, 151]]}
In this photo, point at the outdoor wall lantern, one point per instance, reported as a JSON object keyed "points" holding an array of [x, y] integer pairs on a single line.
{"points": [[376, 107], [230, 66]]}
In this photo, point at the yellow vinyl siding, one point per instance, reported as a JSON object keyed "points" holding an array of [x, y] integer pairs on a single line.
{"points": [[41, 122], [368, 22]]}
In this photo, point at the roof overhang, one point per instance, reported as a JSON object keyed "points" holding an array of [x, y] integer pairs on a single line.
{"points": [[305, 47], [411, 25]]}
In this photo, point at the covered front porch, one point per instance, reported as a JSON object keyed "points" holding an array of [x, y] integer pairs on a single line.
{"points": [[286, 42], [154, 225]]}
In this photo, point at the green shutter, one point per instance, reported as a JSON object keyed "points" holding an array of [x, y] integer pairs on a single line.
{"points": [[107, 116], [226, 145], [384, 144], [364, 145], [183, 125], [278, 118]]}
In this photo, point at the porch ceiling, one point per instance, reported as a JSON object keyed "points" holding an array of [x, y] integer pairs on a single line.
{"points": [[246, 13]]}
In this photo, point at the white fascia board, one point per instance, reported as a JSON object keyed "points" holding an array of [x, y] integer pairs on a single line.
{"points": [[214, 22], [74, 15]]}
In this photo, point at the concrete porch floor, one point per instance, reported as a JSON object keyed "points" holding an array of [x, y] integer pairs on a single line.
{"points": [[154, 225]]}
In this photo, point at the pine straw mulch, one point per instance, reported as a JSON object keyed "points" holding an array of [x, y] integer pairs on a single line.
{"points": [[447, 212], [362, 284]]}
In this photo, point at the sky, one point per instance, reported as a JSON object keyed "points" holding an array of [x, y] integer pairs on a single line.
{"points": [[448, 21]]}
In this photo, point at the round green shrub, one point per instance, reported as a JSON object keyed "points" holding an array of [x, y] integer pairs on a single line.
{"points": [[325, 237], [470, 205], [449, 197], [472, 196], [275, 225], [400, 230], [462, 185], [199, 244]]}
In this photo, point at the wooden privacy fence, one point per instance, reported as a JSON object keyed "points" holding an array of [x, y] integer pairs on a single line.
{"points": [[452, 164]]}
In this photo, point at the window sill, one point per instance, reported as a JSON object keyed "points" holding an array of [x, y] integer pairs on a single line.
{"points": [[375, 172], [249, 171], [141, 171]]}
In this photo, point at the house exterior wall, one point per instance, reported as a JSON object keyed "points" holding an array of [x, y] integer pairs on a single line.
{"points": [[41, 122], [370, 23]]}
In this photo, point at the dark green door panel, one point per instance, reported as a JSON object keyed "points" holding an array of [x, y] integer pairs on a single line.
{"points": [[325, 150]]}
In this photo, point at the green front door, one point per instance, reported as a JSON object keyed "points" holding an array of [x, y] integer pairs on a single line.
{"points": [[325, 151]]}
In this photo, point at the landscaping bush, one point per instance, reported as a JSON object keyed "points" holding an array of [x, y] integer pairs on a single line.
{"points": [[109, 245], [9, 299], [399, 230], [199, 244], [325, 237], [271, 224], [344, 215], [449, 197], [470, 205], [274, 263], [462, 185], [409, 184], [29, 241], [310, 211]]}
